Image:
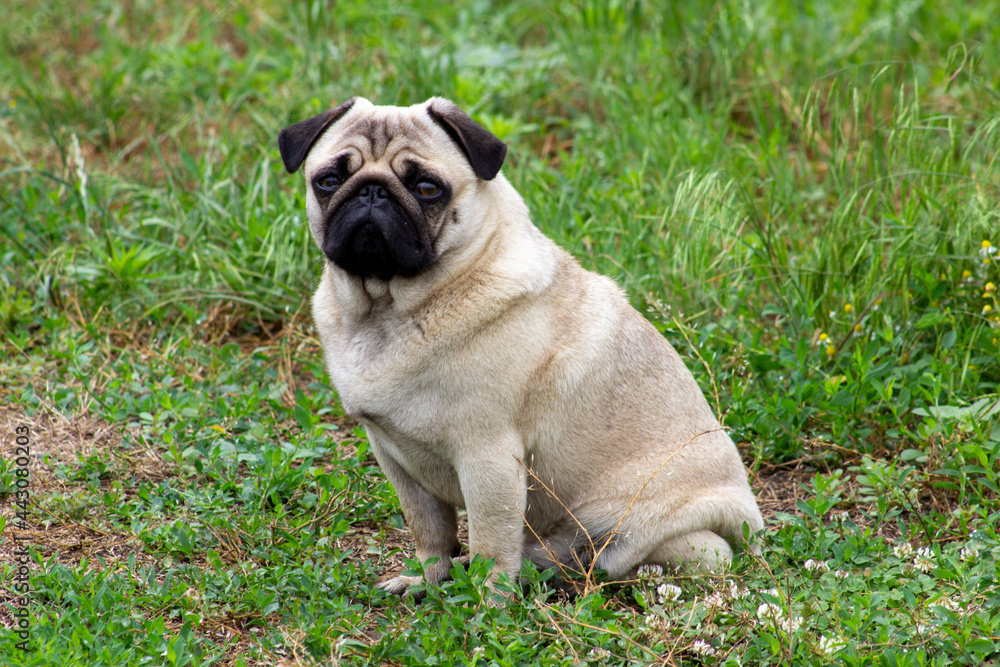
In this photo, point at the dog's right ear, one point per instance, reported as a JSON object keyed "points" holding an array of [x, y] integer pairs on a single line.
{"points": [[295, 141]]}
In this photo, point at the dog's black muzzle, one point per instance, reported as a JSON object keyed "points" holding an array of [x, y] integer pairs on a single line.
{"points": [[372, 235]]}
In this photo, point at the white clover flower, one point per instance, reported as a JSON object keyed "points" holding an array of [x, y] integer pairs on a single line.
{"points": [[948, 604], [701, 647], [668, 592], [924, 560], [479, 650], [737, 592], [968, 554], [715, 601], [817, 566], [769, 611], [597, 653], [790, 625], [830, 645], [903, 551], [649, 571], [656, 623], [841, 574]]}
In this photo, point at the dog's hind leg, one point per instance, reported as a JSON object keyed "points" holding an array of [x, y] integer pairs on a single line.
{"points": [[701, 551]]}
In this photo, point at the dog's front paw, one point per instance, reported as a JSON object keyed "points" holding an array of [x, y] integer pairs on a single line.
{"points": [[400, 585], [434, 573]]}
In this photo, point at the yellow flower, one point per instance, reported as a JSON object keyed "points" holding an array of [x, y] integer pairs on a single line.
{"points": [[857, 328], [823, 337], [986, 244], [848, 308], [12, 104], [830, 350], [987, 308], [990, 287], [966, 274]]}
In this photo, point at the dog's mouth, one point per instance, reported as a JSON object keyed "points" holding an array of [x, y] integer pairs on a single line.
{"points": [[366, 254], [371, 235]]}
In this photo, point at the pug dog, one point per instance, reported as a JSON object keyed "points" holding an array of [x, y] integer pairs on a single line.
{"points": [[494, 374]]}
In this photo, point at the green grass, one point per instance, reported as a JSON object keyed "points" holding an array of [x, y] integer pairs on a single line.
{"points": [[797, 195]]}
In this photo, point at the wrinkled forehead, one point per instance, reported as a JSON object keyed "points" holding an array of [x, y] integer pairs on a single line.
{"points": [[380, 134]]}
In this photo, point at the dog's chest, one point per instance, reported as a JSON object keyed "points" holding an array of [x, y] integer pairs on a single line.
{"points": [[399, 383]]}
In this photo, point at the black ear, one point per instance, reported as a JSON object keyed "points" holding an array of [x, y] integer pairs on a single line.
{"points": [[485, 152], [295, 141]]}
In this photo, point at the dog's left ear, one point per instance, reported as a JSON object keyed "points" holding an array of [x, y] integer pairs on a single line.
{"points": [[295, 141], [485, 152]]}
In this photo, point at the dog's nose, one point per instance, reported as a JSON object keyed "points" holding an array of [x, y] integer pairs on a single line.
{"points": [[372, 193]]}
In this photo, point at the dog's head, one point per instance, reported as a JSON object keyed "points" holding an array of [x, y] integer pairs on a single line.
{"points": [[384, 182]]}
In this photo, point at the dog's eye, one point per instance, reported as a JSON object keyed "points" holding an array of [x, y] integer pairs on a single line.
{"points": [[327, 184], [427, 190]]}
